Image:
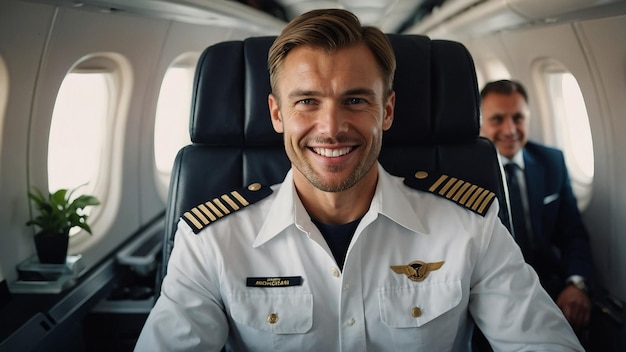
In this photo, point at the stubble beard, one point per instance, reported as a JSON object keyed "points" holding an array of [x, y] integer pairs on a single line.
{"points": [[304, 166]]}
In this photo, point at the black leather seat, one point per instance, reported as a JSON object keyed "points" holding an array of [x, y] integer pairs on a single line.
{"points": [[436, 124]]}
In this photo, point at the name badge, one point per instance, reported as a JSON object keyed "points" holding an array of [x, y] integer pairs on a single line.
{"points": [[280, 281]]}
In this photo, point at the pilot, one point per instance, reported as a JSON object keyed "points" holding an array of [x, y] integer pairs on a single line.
{"points": [[548, 226], [342, 256]]}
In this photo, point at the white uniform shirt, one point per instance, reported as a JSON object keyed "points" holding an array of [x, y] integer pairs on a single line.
{"points": [[205, 302]]}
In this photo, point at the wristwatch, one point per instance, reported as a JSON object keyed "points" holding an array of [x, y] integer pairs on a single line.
{"points": [[578, 282]]}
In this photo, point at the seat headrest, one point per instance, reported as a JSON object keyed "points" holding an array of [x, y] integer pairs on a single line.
{"points": [[435, 85]]}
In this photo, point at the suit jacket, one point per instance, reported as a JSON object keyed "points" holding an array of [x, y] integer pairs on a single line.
{"points": [[561, 242]]}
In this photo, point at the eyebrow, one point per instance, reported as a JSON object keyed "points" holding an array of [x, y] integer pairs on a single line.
{"points": [[360, 91], [312, 93], [303, 93]]}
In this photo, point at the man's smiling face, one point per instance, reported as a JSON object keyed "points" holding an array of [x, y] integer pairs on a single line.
{"points": [[332, 111]]}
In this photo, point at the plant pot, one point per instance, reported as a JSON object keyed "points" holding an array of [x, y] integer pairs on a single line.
{"points": [[52, 247]]}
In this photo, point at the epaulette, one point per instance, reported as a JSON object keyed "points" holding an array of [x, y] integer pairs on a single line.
{"points": [[209, 212], [465, 194]]}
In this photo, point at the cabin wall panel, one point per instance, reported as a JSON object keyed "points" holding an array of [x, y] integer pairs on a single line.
{"points": [[39, 44], [139, 41], [23, 31], [485, 50], [603, 42]]}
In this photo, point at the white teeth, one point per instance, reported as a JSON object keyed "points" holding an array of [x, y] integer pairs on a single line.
{"points": [[332, 153]]}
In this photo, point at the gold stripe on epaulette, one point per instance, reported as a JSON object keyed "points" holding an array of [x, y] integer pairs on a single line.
{"points": [[486, 201], [437, 183], [230, 202], [475, 195], [221, 205], [214, 209], [207, 212], [191, 218], [455, 188], [461, 191], [467, 194], [480, 198], [448, 184], [240, 198], [199, 215], [470, 196]]}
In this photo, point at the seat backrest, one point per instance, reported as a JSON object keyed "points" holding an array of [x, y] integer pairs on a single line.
{"points": [[436, 124]]}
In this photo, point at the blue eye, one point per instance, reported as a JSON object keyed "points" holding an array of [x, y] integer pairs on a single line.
{"points": [[305, 101], [353, 101]]}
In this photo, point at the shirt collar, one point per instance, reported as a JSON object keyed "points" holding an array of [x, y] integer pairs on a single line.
{"points": [[518, 159], [389, 200], [282, 212]]}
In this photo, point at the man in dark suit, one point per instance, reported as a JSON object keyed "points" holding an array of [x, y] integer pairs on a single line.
{"points": [[549, 227]]}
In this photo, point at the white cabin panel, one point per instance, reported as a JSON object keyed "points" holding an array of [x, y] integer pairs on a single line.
{"points": [[603, 40], [23, 33]]}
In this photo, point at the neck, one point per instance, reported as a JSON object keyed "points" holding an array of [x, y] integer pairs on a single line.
{"points": [[337, 207]]}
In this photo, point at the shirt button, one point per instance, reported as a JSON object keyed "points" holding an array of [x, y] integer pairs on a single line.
{"points": [[346, 287], [416, 312], [351, 321], [272, 318], [335, 272]]}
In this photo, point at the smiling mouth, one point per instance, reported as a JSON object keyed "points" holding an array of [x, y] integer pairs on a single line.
{"points": [[332, 153]]}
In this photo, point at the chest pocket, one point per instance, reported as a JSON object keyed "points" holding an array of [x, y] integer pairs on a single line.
{"points": [[410, 307], [278, 313]]}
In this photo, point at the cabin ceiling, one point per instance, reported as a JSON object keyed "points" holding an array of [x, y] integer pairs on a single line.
{"points": [[263, 16], [448, 19], [392, 16]]}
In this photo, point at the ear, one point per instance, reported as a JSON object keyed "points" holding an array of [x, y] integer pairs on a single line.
{"points": [[277, 122], [389, 110]]}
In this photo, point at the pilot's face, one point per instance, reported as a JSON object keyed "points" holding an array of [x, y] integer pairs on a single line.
{"points": [[505, 121], [331, 110]]}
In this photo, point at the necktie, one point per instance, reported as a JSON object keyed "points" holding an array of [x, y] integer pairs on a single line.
{"points": [[517, 211]]}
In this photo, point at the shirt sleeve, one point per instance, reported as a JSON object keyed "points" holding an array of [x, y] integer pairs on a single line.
{"points": [[189, 314], [507, 301]]}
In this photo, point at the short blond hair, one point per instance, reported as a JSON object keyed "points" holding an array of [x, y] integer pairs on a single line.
{"points": [[330, 30]]}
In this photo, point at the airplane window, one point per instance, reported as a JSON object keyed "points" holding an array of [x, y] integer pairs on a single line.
{"points": [[573, 134], [85, 142], [171, 130], [76, 132]]}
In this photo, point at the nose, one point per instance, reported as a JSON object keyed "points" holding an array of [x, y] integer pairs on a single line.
{"points": [[508, 126], [332, 120]]}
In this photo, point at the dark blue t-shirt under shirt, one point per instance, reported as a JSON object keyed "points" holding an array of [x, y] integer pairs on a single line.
{"points": [[338, 238]]}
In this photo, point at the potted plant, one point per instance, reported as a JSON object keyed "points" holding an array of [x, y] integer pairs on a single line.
{"points": [[58, 214]]}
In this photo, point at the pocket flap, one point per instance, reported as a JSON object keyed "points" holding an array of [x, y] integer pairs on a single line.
{"points": [[277, 313], [409, 307]]}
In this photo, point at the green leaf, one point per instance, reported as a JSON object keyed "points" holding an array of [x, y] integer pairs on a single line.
{"points": [[57, 214]]}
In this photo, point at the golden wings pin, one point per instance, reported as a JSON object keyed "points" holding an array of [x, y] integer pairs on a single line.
{"points": [[416, 270]]}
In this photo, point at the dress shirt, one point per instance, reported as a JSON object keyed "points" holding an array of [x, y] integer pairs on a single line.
{"points": [[206, 304]]}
